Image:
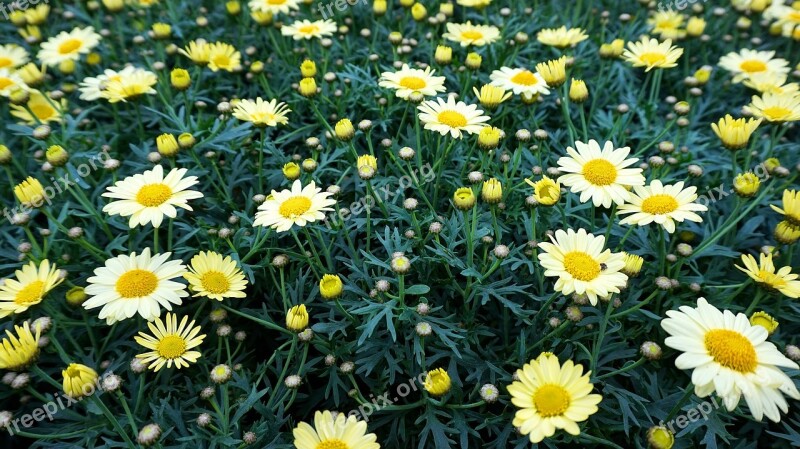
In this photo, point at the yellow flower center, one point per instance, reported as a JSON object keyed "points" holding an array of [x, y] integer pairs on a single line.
{"points": [[731, 350], [659, 204], [777, 113], [42, 111], [308, 29], [752, 66], [276, 2], [525, 78], [136, 283], [551, 400], [295, 206], [332, 444], [771, 279], [31, 294], [153, 195], [600, 172], [581, 265], [171, 346], [5, 62], [221, 60], [5, 82], [471, 35], [653, 58], [69, 46], [412, 82], [452, 119], [215, 282]]}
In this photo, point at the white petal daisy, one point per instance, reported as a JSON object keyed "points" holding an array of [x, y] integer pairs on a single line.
{"points": [[296, 206]]}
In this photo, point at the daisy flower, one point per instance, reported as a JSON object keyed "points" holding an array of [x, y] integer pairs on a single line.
{"points": [[306, 29], [215, 277], [520, 81], [748, 62], [133, 284], [274, 6], [763, 272], [262, 113], [551, 396], [407, 81], [198, 51], [222, 56], [68, 46], [17, 352], [599, 174], [771, 82], [582, 265], [329, 432], [477, 4], [93, 87], [791, 206], [10, 81], [468, 34], [777, 108], [667, 24], [147, 197], [12, 56], [731, 357], [130, 85], [40, 109], [561, 37], [31, 285], [298, 206], [170, 343], [662, 204], [450, 117], [651, 54]]}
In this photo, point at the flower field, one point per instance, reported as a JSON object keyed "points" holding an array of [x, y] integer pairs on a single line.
{"points": [[398, 224]]}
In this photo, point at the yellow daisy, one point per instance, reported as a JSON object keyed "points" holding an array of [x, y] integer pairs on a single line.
{"points": [[9, 82], [777, 108], [407, 81], [147, 197], [771, 82], [40, 109], [262, 113], [791, 207], [12, 56], [735, 133], [31, 285], [601, 175], [68, 46], [215, 277], [274, 6], [170, 343], [306, 29], [450, 117], [130, 85], [731, 357], [468, 34], [79, 380], [520, 81], [17, 352], [93, 87], [763, 272], [667, 24], [133, 284], [198, 51], [651, 54], [662, 204], [748, 62], [552, 396], [298, 206], [582, 265], [561, 37], [331, 432], [222, 56]]}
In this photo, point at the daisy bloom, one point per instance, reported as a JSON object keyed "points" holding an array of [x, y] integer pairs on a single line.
{"points": [[198, 51], [791, 207], [490, 97], [763, 272], [546, 191], [450, 117], [477, 4], [520, 81], [667, 24], [777, 108], [222, 56], [552, 396], [748, 62], [262, 113], [215, 277], [468, 34], [31, 285], [771, 82], [735, 133], [407, 81], [731, 357], [274, 6], [93, 87], [10, 81], [133, 284], [561, 37], [582, 265], [599, 174], [170, 343], [41, 109], [651, 54], [12, 56], [662, 204], [18, 351], [79, 380], [306, 29], [335, 433], [298, 206], [68, 46], [130, 85]]}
